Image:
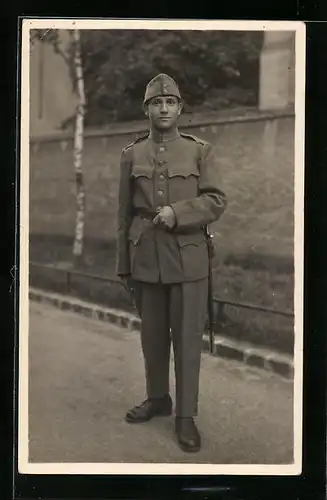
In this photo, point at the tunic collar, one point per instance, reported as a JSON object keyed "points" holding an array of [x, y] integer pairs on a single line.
{"points": [[170, 135]]}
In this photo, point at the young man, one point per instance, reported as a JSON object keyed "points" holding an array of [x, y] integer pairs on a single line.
{"points": [[169, 191]]}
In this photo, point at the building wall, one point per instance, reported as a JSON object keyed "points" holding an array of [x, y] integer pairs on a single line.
{"points": [[277, 70], [256, 153], [257, 165], [52, 99]]}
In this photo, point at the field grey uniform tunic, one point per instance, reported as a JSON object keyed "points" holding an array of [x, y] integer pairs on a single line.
{"points": [[170, 267]]}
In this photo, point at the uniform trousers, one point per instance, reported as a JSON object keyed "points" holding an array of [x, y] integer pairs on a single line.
{"points": [[173, 313]]}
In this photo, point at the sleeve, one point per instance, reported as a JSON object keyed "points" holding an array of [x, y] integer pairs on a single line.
{"points": [[211, 203], [124, 213]]}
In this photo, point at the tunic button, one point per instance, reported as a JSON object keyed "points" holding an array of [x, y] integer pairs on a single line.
{"points": [[160, 162], [160, 193], [161, 177], [162, 148]]}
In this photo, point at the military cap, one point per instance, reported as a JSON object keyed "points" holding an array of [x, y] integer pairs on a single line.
{"points": [[160, 85]]}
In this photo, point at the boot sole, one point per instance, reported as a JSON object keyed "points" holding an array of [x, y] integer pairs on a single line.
{"points": [[142, 421], [186, 449]]}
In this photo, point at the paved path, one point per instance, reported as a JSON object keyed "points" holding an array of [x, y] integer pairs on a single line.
{"points": [[84, 375]]}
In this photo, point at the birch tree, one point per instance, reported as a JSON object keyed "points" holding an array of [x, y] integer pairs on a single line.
{"points": [[73, 59], [78, 246]]}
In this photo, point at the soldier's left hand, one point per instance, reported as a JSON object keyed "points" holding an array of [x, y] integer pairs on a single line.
{"points": [[165, 217]]}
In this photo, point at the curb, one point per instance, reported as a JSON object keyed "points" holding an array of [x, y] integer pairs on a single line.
{"points": [[225, 348]]}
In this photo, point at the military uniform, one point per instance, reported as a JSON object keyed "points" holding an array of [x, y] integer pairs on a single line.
{"points": [[169, 266]]}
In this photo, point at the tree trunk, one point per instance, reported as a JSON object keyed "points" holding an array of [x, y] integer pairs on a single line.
{"points": [[78, 246]]}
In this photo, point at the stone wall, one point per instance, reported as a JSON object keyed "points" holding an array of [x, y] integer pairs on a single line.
{"points": [[257, 165]]}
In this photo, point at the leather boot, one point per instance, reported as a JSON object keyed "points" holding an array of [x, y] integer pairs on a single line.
{"points": [[188, 436], [159, 407]]}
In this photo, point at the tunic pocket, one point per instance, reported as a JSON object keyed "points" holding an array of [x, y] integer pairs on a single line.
{"points": [[194, 239], [142, 170], [142, 176], [141, 248], [183, 182], [134, 236], [138, 226], [194, 254], [183, 170]]}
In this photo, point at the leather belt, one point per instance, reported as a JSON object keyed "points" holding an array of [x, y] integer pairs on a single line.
{"points": [[145, 215]]}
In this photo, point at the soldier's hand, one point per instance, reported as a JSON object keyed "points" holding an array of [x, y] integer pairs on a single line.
{"points": [[128, 282], [165, 217]]}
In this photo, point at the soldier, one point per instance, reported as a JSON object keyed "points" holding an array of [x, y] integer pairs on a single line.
{"points": [[169, 191]]}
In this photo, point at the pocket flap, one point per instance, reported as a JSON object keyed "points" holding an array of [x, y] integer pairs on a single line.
{"points": [[190, 239], [142, 170], [183, 170], [136, 229]]}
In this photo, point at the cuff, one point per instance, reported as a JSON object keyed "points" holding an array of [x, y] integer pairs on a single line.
{"points": [[175, 223]]}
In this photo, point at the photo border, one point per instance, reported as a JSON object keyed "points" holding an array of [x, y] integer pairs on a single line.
{"points": [[159, 468]]}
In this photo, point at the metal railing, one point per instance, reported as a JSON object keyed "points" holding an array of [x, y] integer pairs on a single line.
{"points": [[219, 303]]}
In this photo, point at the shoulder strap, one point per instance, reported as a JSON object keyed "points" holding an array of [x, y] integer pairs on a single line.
{"points": [[139, 139], [194, 138], [200, 143]]}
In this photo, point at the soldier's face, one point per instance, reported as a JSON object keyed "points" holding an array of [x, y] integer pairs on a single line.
{"points": [[163, 112]]}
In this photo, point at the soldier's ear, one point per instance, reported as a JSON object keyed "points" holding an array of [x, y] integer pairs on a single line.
{"points": [[146, 109], [180, 107]]}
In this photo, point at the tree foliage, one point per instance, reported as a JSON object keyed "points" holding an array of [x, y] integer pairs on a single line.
{"points": [[214, 69]]}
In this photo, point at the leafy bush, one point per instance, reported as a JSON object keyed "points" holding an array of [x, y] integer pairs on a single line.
{"points": [[214, 69]]}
